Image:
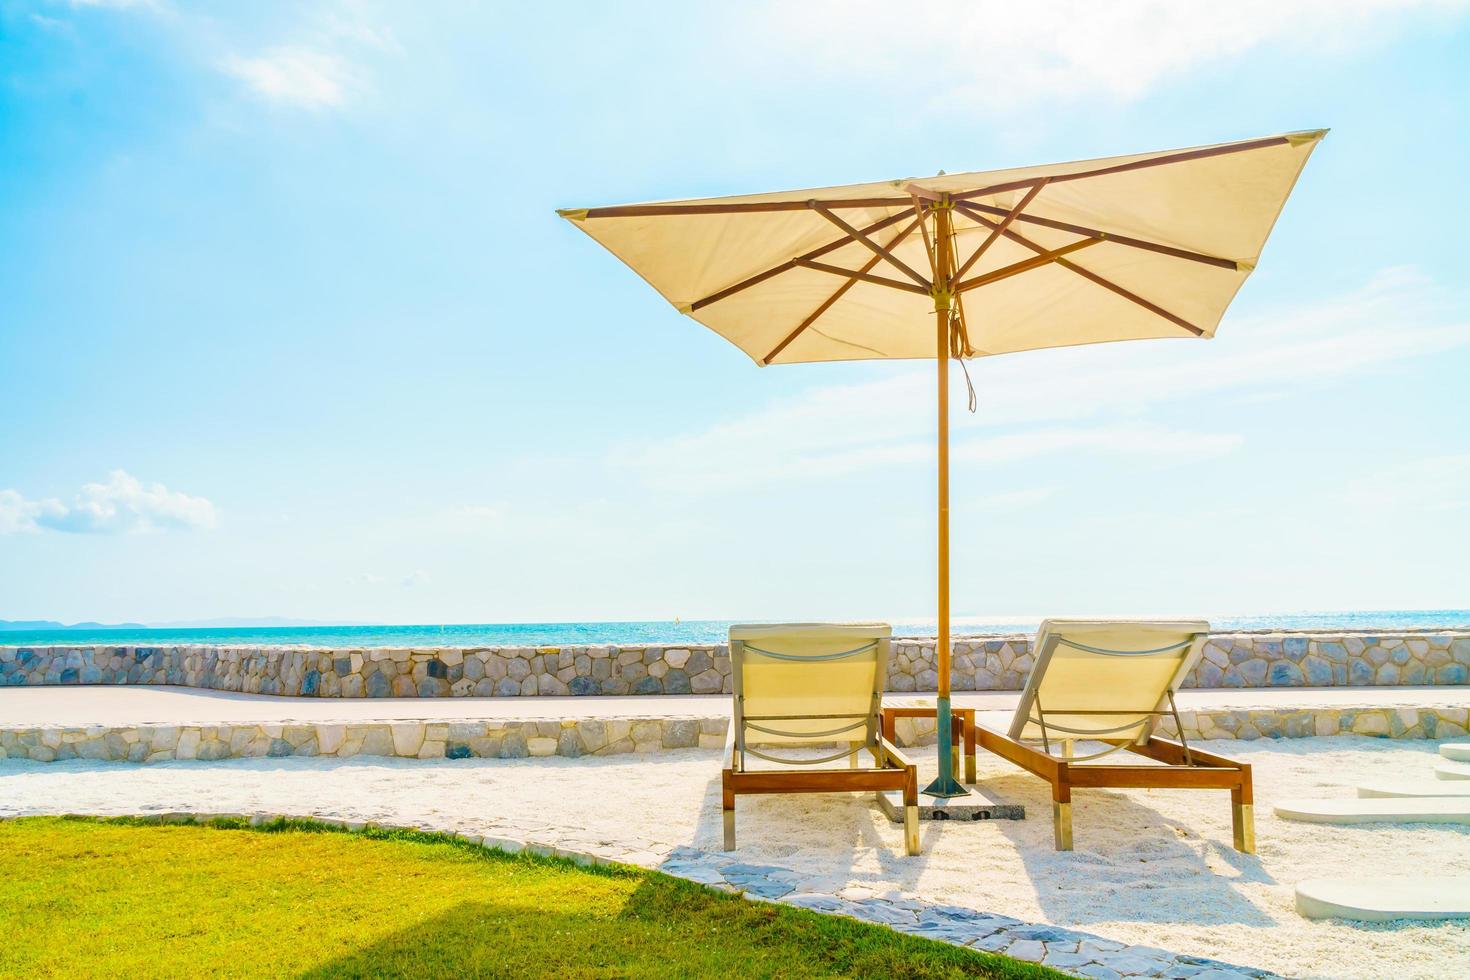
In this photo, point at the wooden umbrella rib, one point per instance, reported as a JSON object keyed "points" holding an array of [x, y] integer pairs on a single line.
{"points": [[1178, 253], [1015, 269], [924, 231], [828, 303], [1005, 223], [790, 264], [1126, 294], [873, 246], [837, 270], [1087, 274], [753, 207], [1159, 161]]}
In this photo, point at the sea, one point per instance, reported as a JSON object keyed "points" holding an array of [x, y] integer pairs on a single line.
{"points": [[644, 632]]}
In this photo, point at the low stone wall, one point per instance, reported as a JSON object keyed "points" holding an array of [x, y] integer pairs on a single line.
{"points": [[995, 663], [515, 739], [575, 737]]}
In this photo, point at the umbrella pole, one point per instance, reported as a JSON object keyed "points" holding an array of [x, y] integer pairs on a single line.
{"points": [[945, 786]]}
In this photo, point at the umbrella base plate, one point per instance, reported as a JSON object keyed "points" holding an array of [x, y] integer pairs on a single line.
{"points": [[972, 806]]}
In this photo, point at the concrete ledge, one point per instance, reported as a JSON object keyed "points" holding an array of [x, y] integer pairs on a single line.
{"points": [[1384, 899], [1402, 809], [135, 724]]}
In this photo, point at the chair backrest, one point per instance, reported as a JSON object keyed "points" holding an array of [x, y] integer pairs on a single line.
{"points": [[1105, 679], [808, 683]]}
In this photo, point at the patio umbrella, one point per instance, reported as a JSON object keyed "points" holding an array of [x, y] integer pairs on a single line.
{"points": [[958, 266]]}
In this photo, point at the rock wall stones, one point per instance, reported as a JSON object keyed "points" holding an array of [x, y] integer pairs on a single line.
{"points": [[487, 739], [1231, 660], [574, 737], [1379, 721]]}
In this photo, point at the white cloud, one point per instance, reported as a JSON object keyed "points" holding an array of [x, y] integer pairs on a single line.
{"points": [[839, 429], [1435, 485], [19, 514], [326, 60], [116, 4], [477, 515], [1160, 444], [1009, 501], [296, 76], [412, 580], [1000, 54], [698, 465], [122, 504]]}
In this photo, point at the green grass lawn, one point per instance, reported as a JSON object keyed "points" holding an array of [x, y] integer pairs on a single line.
{"points": [[122, 899]]}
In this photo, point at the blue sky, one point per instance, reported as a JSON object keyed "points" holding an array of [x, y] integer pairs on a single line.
{"points": [[288, 325]]}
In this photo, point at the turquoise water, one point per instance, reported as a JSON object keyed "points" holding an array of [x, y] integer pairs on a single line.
{"points": [[663, 633]]}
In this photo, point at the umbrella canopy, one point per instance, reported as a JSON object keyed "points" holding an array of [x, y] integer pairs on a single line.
{"points": [[1122, 248], [1150, 245]]}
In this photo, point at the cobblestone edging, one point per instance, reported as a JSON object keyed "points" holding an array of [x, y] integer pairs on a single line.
{"points": [[1067, 950], [1230, 660], [575, 737]]}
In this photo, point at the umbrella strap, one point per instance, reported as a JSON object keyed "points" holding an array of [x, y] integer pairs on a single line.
{"points": [[969, 385], [959, 346]]}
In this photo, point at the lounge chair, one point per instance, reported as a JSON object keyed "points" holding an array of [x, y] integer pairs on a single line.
{"points": [[811, 686], [1111, 682]]}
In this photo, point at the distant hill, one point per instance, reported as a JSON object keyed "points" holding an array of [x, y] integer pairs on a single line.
{"points": [[226, 622], [17, 625]]}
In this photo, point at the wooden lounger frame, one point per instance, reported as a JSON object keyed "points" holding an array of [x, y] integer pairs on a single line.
{"points": [[1184, 768], [892, 771]]}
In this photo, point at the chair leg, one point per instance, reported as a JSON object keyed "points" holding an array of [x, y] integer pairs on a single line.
{"points": [[1243, 816], [970, 749], [855, 759], [1061, 815], [956, 742], [911, 813], [727, 808]]}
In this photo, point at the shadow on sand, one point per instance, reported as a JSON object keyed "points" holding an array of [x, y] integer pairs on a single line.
{"points": [[1131, 862]]}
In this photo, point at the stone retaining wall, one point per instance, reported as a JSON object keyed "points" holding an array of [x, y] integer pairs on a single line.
{"points": [[995, 663], [574, 737]]}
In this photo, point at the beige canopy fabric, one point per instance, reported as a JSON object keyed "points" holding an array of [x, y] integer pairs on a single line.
{"points": [[1160, 242]]}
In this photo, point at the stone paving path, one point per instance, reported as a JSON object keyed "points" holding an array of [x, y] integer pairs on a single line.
{"points": [[1066, 950]]}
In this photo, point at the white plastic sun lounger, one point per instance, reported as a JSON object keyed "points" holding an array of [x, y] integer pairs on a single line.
{"points": [[810, 687], [1111, 681]]}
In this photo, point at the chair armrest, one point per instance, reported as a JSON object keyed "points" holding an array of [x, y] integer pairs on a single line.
{"points": [[894, 754]]}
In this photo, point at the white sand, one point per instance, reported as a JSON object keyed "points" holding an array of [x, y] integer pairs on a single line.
{"points": [[1151, 867]]}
